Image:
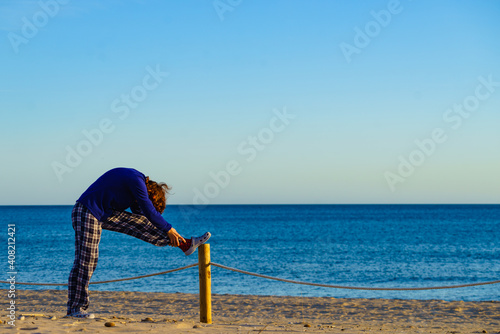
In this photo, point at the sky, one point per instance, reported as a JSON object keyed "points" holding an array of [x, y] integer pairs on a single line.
{"points": [[244, 102]]}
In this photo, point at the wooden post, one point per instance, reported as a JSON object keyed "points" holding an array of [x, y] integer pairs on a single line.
{"points": [[205, 284]]}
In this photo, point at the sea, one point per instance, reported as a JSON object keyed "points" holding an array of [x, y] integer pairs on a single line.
{"points": [[391, 246]]}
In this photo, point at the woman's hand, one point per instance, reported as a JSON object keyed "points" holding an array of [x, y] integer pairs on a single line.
{"points": [[175, 238]]}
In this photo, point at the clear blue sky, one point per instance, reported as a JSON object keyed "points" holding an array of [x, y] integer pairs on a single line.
{"points": [[356, 83]]}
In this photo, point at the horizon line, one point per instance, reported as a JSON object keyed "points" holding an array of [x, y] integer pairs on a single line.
{"points": [[275, 204]]}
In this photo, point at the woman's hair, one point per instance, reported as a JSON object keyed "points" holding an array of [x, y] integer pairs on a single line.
{"points": [[157, 194]]}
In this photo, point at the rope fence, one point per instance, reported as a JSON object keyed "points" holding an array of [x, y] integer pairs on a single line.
{"points": [[113, 280], [350, 287], [204, 265], [271, 278]]}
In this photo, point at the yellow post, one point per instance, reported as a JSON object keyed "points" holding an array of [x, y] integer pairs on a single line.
{"points": [[205, 284]]}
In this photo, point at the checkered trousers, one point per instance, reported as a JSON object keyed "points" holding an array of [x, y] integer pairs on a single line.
{"points": [[87, 236]]}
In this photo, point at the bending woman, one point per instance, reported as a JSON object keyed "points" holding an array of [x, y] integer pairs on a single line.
{"points": [[102, 206]]}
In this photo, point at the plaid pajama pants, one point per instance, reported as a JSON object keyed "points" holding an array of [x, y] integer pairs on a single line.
{"points": [[87, 236]]}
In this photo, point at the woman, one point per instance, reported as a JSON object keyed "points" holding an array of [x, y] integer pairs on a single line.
{"points": [[102, 206]]}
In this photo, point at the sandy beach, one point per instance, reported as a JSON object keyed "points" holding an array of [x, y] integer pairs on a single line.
{"points": [[137, 312]]}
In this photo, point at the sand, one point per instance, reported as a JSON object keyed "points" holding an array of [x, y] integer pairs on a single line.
{"points": [[43, 311]]}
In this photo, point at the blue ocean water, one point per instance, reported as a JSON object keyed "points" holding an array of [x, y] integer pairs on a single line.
{"points": [[355, 245]]}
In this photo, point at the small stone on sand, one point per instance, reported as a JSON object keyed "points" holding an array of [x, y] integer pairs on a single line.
{"points": [[110, 324], [147, 319]]}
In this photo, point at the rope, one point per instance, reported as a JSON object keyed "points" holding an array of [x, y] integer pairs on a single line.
{"points": [[349, 287], [272, 278], [111, 281]]}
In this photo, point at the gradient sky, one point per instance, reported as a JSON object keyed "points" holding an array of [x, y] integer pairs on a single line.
{"points": [[68, 67]]}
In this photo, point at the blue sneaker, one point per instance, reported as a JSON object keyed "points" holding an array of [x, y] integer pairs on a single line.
{"points": [[80, 315], [196, 242]]}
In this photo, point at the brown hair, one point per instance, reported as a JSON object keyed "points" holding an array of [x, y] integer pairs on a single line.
{"points": [[157, 194]]}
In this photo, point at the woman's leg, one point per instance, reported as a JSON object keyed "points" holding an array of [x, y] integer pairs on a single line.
{"points": [[136, 226], [87, 236], [140, 227]]}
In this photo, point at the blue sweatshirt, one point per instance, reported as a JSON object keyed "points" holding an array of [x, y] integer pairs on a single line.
{"points": [[120, 189]]}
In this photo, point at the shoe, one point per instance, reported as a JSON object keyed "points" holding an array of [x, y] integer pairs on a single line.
{"points": [[196, 242], [80, 315]]}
